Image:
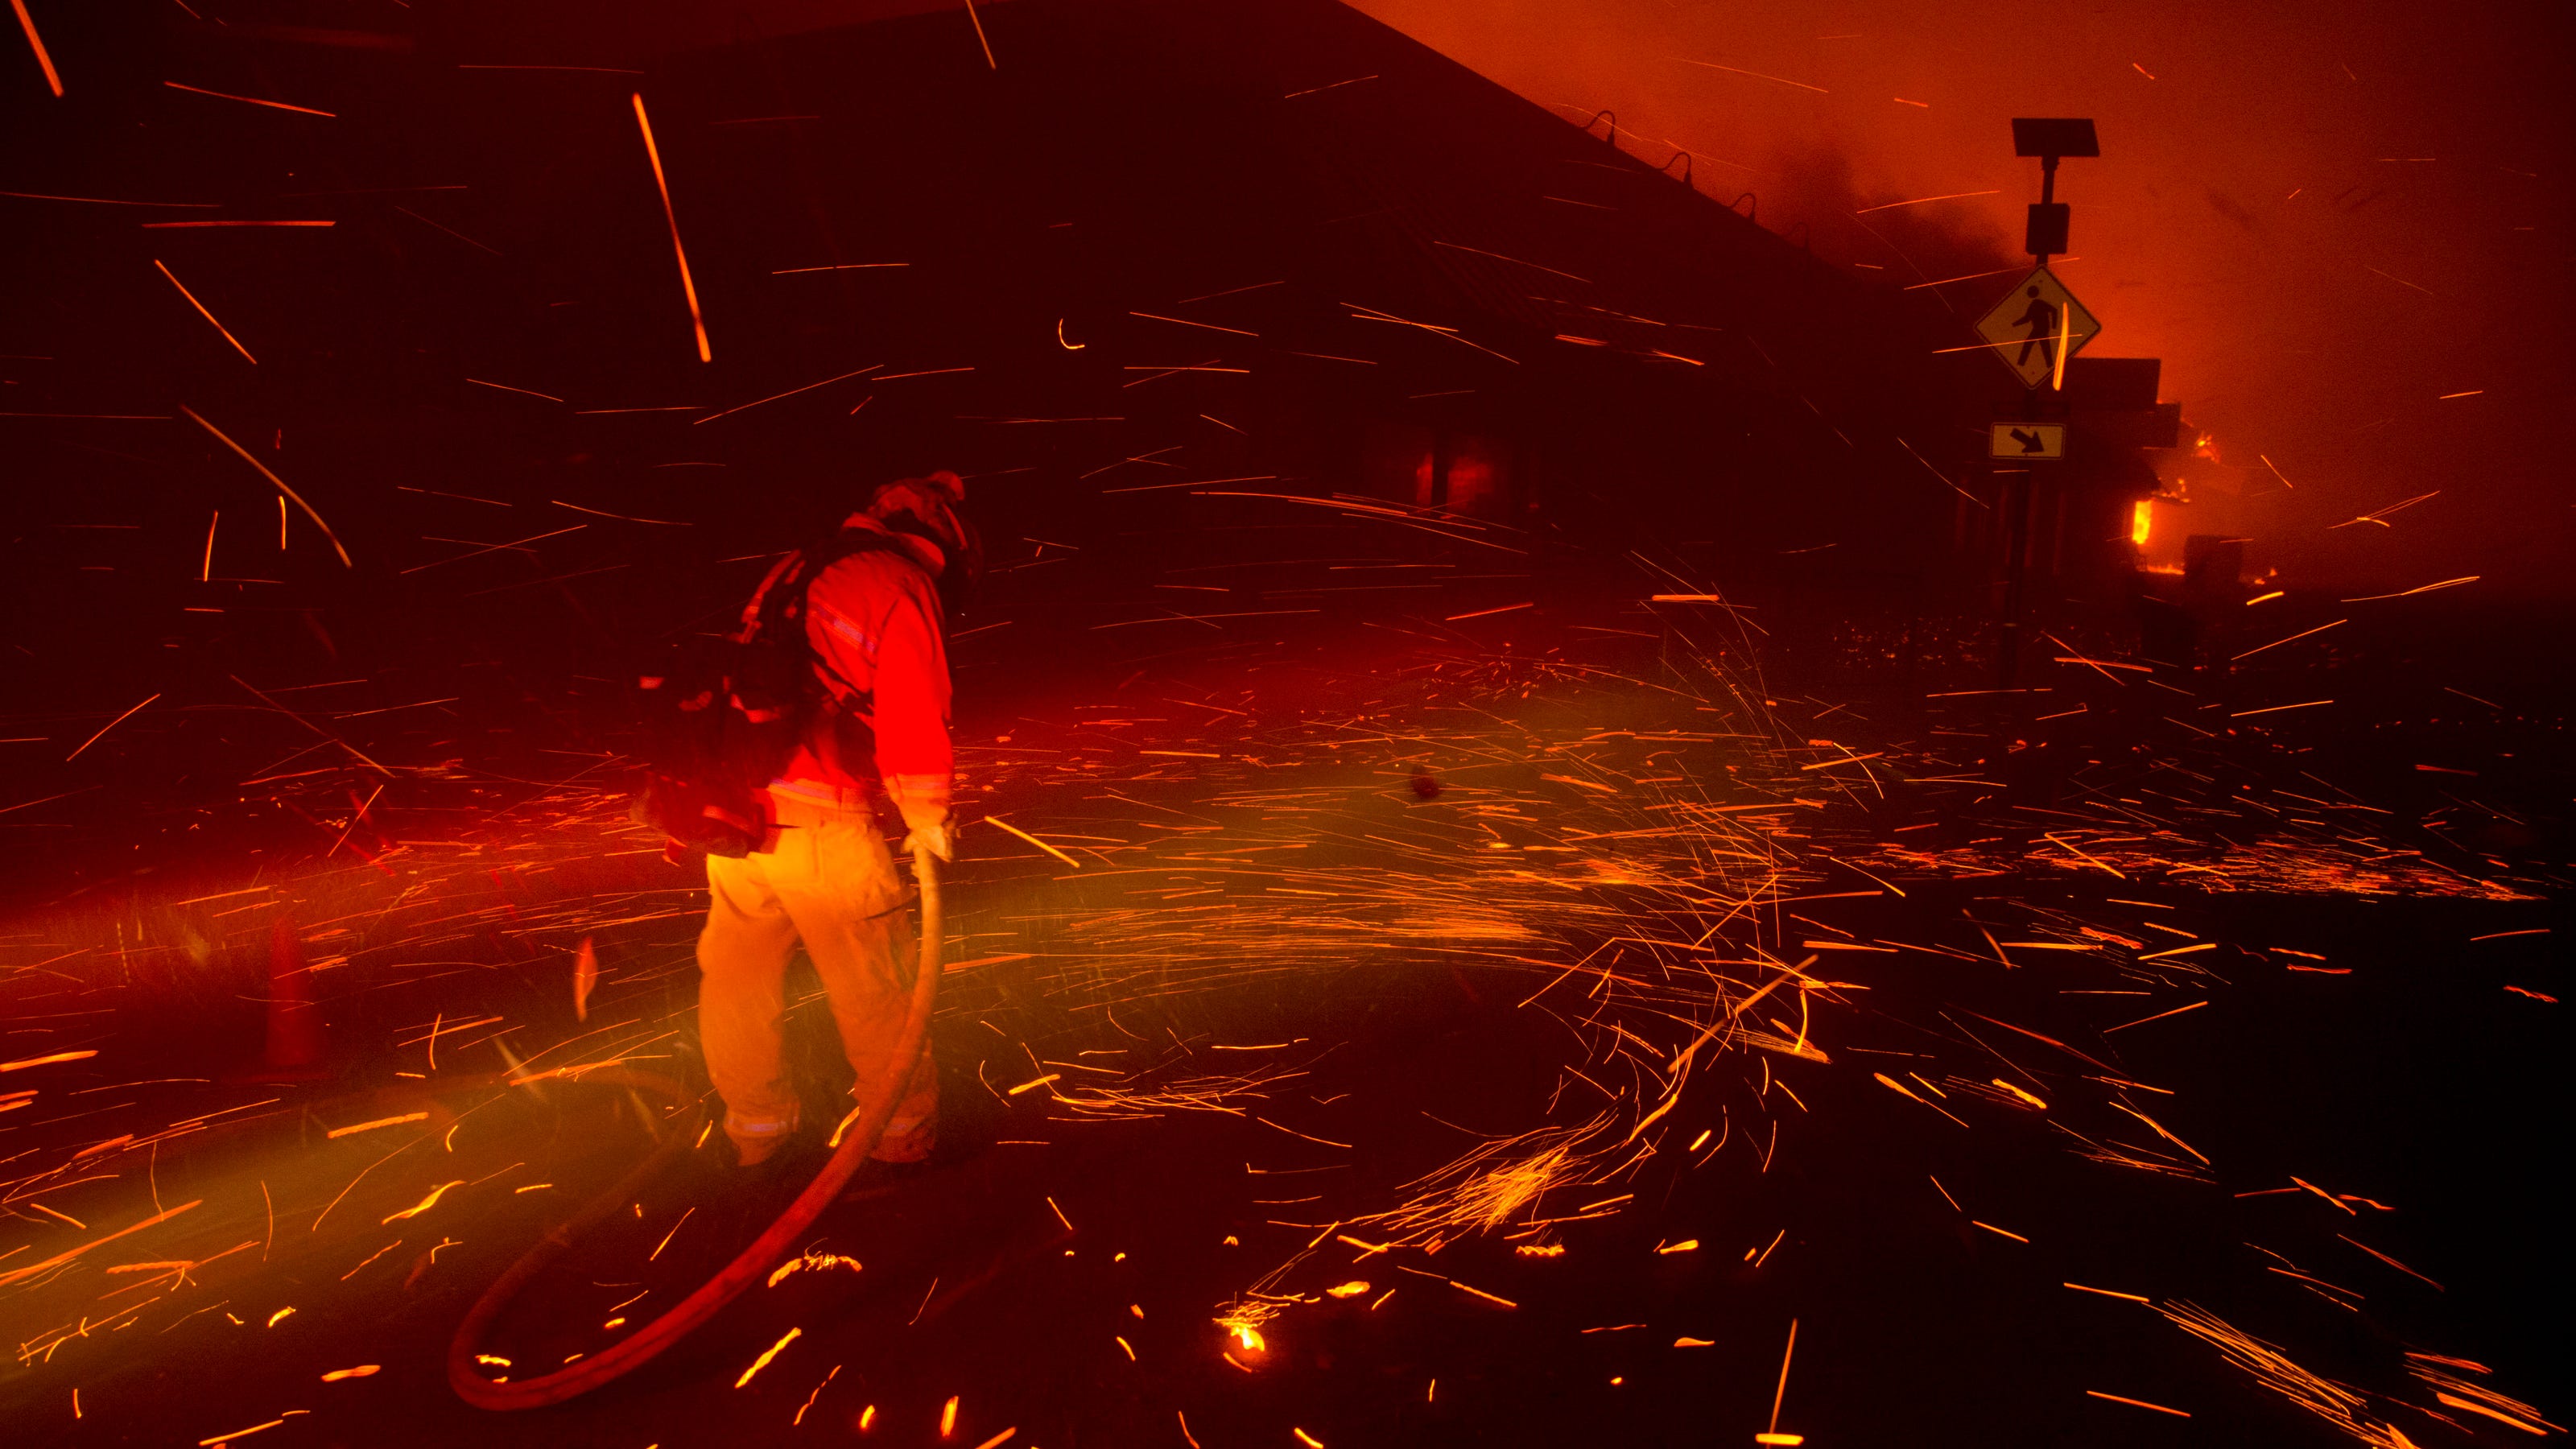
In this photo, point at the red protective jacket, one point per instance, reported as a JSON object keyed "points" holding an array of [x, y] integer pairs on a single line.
{"points": [[873, 620]]}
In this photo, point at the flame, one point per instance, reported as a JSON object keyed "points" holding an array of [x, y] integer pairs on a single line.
{"points": [[2141, 519]]}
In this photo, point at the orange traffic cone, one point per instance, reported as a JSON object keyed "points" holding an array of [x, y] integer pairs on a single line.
{"points": [[295, 1037]]}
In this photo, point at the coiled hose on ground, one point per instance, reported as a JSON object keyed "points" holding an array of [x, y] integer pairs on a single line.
{"points": [[857, 1139]]}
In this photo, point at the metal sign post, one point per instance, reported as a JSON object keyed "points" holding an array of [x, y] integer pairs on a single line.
{"points": [[2049, 138], [2033, 331]]}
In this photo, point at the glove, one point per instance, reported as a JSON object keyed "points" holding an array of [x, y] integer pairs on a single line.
{"points": [[923, 802], [936, 839]]}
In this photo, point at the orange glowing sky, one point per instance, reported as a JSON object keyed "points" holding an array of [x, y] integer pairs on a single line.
{"points": [[2322, 216]]}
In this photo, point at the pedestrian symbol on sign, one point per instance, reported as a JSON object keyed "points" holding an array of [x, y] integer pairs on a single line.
{"points": [[2041, 320]]}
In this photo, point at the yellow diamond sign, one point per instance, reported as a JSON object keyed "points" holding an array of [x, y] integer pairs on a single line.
{"points": [[2036, 327]]}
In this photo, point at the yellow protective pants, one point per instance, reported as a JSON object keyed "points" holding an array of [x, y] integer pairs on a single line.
{"points": [[829, 880]]}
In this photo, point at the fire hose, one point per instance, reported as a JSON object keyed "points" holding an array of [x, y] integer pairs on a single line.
{"points": [[857, 1138]]}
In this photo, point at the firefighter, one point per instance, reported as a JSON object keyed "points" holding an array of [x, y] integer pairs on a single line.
{"points": [[824, 874]]}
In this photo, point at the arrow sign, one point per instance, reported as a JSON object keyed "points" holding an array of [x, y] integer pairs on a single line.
{"points": [[2036, 327], [2026, 440]]}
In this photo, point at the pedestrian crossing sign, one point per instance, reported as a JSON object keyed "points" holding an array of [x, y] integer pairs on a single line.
{"points": [[2036, 327]]}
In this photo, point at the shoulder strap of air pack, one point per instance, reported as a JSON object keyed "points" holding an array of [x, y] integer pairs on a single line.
{"points": [[777, 612]]}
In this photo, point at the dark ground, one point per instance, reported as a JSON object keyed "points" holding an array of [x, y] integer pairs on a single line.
{"points": [[1384, 969]]}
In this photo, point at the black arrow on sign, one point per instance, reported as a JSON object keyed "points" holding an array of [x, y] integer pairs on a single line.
{"points": [[2030, 442]]}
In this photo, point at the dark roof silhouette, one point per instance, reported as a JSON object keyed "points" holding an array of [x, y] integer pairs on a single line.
{"points": [[1295, 170]]}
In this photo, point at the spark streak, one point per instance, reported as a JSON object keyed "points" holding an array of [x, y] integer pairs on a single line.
{"points": [[249, 100], [244, 454], [1782, 1392], [762, 1362], [379, 1122], [237, 1434], [688, 285], [980, 38], [209, 316], [120, 719], [32, 1269], [1033, 840], [2277, 643], [2140, 1403], [36, 42], [1920, 200], [1757, 75], [773, 397]]}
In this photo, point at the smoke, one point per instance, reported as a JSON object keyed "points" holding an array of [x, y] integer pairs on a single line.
{"points": [[1953, 254]]}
